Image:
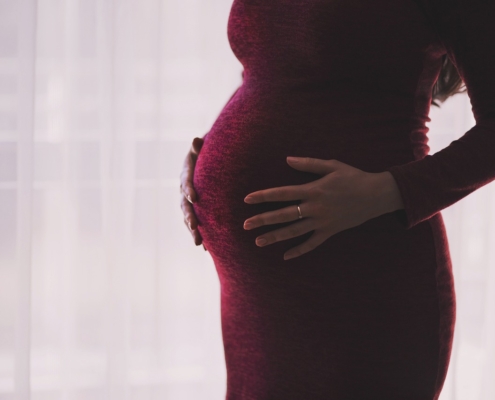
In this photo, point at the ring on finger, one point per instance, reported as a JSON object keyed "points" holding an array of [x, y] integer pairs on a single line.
{"points": [[299, 212]]}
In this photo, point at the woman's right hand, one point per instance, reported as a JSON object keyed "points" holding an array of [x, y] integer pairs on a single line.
{"points": [[188, 193]]}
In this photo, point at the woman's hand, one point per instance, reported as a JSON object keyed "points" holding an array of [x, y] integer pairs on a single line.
{"points": [[343, 198], [187, 190]]}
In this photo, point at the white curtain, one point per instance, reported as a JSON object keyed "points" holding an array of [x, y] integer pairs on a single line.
{"points": [[103, 294]]}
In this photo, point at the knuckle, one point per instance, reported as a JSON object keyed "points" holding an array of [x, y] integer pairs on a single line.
{"points": [[321, 211], [185, 171], [315, 191], [293, 230], [288, 215], [190, 173], [183, 205], [272, 238], [188, 183]]}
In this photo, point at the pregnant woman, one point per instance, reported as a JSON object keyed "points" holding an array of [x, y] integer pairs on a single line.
{"points": [[336, 279]]}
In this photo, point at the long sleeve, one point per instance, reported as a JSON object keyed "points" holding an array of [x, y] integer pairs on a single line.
{"points": [[428, 185]]}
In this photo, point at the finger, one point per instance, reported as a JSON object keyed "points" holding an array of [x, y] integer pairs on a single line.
{"points": [[293, 230], [187, 194], [195, 234], [314, 241], [187, 176], [187, 182], [285, 214], [198, 240], [196, 145], [187, 173], [282, 193], [314, 165], [189, 215]]}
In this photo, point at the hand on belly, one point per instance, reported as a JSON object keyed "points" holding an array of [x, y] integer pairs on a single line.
{"points": [[342, 198]]}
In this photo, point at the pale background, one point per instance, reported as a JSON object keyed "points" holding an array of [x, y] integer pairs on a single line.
{"points": [[103, 294]]}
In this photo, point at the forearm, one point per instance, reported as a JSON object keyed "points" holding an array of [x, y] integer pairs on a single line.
{"points": [[388, 197]]}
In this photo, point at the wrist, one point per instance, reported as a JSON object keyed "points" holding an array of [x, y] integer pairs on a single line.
{"points": [[388, 196]]}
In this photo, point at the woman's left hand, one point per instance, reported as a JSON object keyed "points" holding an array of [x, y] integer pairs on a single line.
{"points": [[343, 198]]}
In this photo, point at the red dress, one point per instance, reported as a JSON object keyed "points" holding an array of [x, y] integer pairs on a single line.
{"points": [[369, 314]]}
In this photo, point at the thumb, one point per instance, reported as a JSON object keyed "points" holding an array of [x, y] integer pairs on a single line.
{"points": [[314, 165], [196, 145]]}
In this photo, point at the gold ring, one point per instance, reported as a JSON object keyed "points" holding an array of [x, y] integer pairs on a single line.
{"points": [[299, 211]]}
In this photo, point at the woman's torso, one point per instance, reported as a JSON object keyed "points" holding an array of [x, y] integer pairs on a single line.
{"points": [[360, 315], [328, 79]]}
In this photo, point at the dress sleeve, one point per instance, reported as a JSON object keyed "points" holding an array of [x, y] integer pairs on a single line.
{"points": [[428, 185]]}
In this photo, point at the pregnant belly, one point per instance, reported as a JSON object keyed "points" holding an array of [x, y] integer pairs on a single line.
{"points": [[246, 150]]}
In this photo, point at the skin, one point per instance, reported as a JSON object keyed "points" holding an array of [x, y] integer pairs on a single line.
{"points": [[189, 196], [344, 197]]}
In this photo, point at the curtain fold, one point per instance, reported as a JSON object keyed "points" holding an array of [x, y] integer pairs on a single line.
{"points": [[23, 171], [103, 294]]}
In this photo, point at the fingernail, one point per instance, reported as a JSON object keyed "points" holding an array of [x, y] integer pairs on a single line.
{"points": [[289, 255], [189, 223], [261, 241], [189, 198], [248, 225], [293, 159], [248, 199]]}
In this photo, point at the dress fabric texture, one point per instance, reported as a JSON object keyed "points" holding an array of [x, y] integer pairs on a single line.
{"points": [[370, 313]]}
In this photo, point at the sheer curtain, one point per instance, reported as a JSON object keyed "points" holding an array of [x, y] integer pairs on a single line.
{"points": [[103, 293]]}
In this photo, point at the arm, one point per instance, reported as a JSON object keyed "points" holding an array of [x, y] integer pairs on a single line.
{"points": [[437, 181]]}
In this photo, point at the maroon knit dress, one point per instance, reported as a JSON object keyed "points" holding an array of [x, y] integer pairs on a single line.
{"points": [[369, 314]]}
